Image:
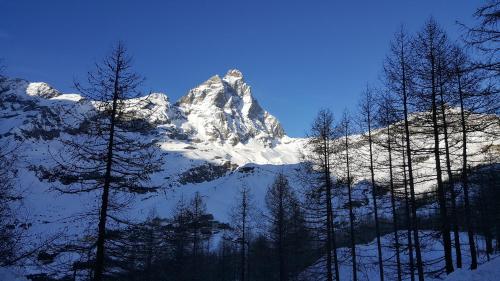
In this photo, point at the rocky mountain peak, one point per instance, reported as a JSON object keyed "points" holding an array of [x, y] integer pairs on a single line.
{"points": [[225, 110], [234, 73], [41, 89], [220, 110], [233, 76]]}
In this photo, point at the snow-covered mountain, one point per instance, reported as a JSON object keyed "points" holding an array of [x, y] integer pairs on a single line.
{"points": [[214, 139], [208, 138], [218, 111], [224, 110]]}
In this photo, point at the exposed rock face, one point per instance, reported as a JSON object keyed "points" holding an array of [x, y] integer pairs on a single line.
{"points": [[206, 172], [220, 110], [224, 110]]}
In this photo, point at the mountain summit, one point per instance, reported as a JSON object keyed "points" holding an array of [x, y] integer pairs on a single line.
{"points": [[220, 110], [223, 109]]}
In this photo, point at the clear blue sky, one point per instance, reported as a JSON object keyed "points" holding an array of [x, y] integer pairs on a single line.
{"points": [[298, 56]]}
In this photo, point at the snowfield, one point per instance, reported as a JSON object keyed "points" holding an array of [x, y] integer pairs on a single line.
{"points": [[214, 140], [490, 271]]}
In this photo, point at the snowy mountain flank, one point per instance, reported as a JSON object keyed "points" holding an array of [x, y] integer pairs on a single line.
{"points": [[215, 139]]}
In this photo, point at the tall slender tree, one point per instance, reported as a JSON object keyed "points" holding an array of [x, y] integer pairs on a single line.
{"points": [[345, 129], [242, 215], [200, 231], [408, 213], [443, 61], [399, 76], [387, 117], [104, 158], [8, 173], [368, 108], [281, 203], [429, 46], [319, 156], [460, 76]]}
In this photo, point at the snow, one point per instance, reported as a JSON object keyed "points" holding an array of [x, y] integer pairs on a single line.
{"points": [[367, 259], [41, 89], [224, 110], [192, 116], [11, 274], [68, 97], [489, 271], [216, 122]]}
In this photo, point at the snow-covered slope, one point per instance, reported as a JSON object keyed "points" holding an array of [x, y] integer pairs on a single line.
{"points": [[489, 271], [214, 140], [367, 259], [206, 137], [209, 134], [251, 147]]}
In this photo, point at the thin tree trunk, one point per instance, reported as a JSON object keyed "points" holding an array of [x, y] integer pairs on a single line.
{"points": [[101, 238], [414, 220], [335, 257], [408, 219], [329, 216], [458, 251], [465, 179], [445, 228], [488, 235], [329, 275], [374, 194], [393, 204], [333, 238], [351, 214], [283, 275]]}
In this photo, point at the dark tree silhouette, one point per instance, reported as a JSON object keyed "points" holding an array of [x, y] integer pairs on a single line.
{"points": [[319, 156], [429, 47], [8, 173], [399, 75], [345, 129], [104, 158], [243, 216], [387, 117], [279, 200], [367, 111], [485, 37]]}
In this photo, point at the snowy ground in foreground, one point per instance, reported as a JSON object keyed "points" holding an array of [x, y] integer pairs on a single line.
{"points": [[432, 255], [489, 271], [8, 274]]}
